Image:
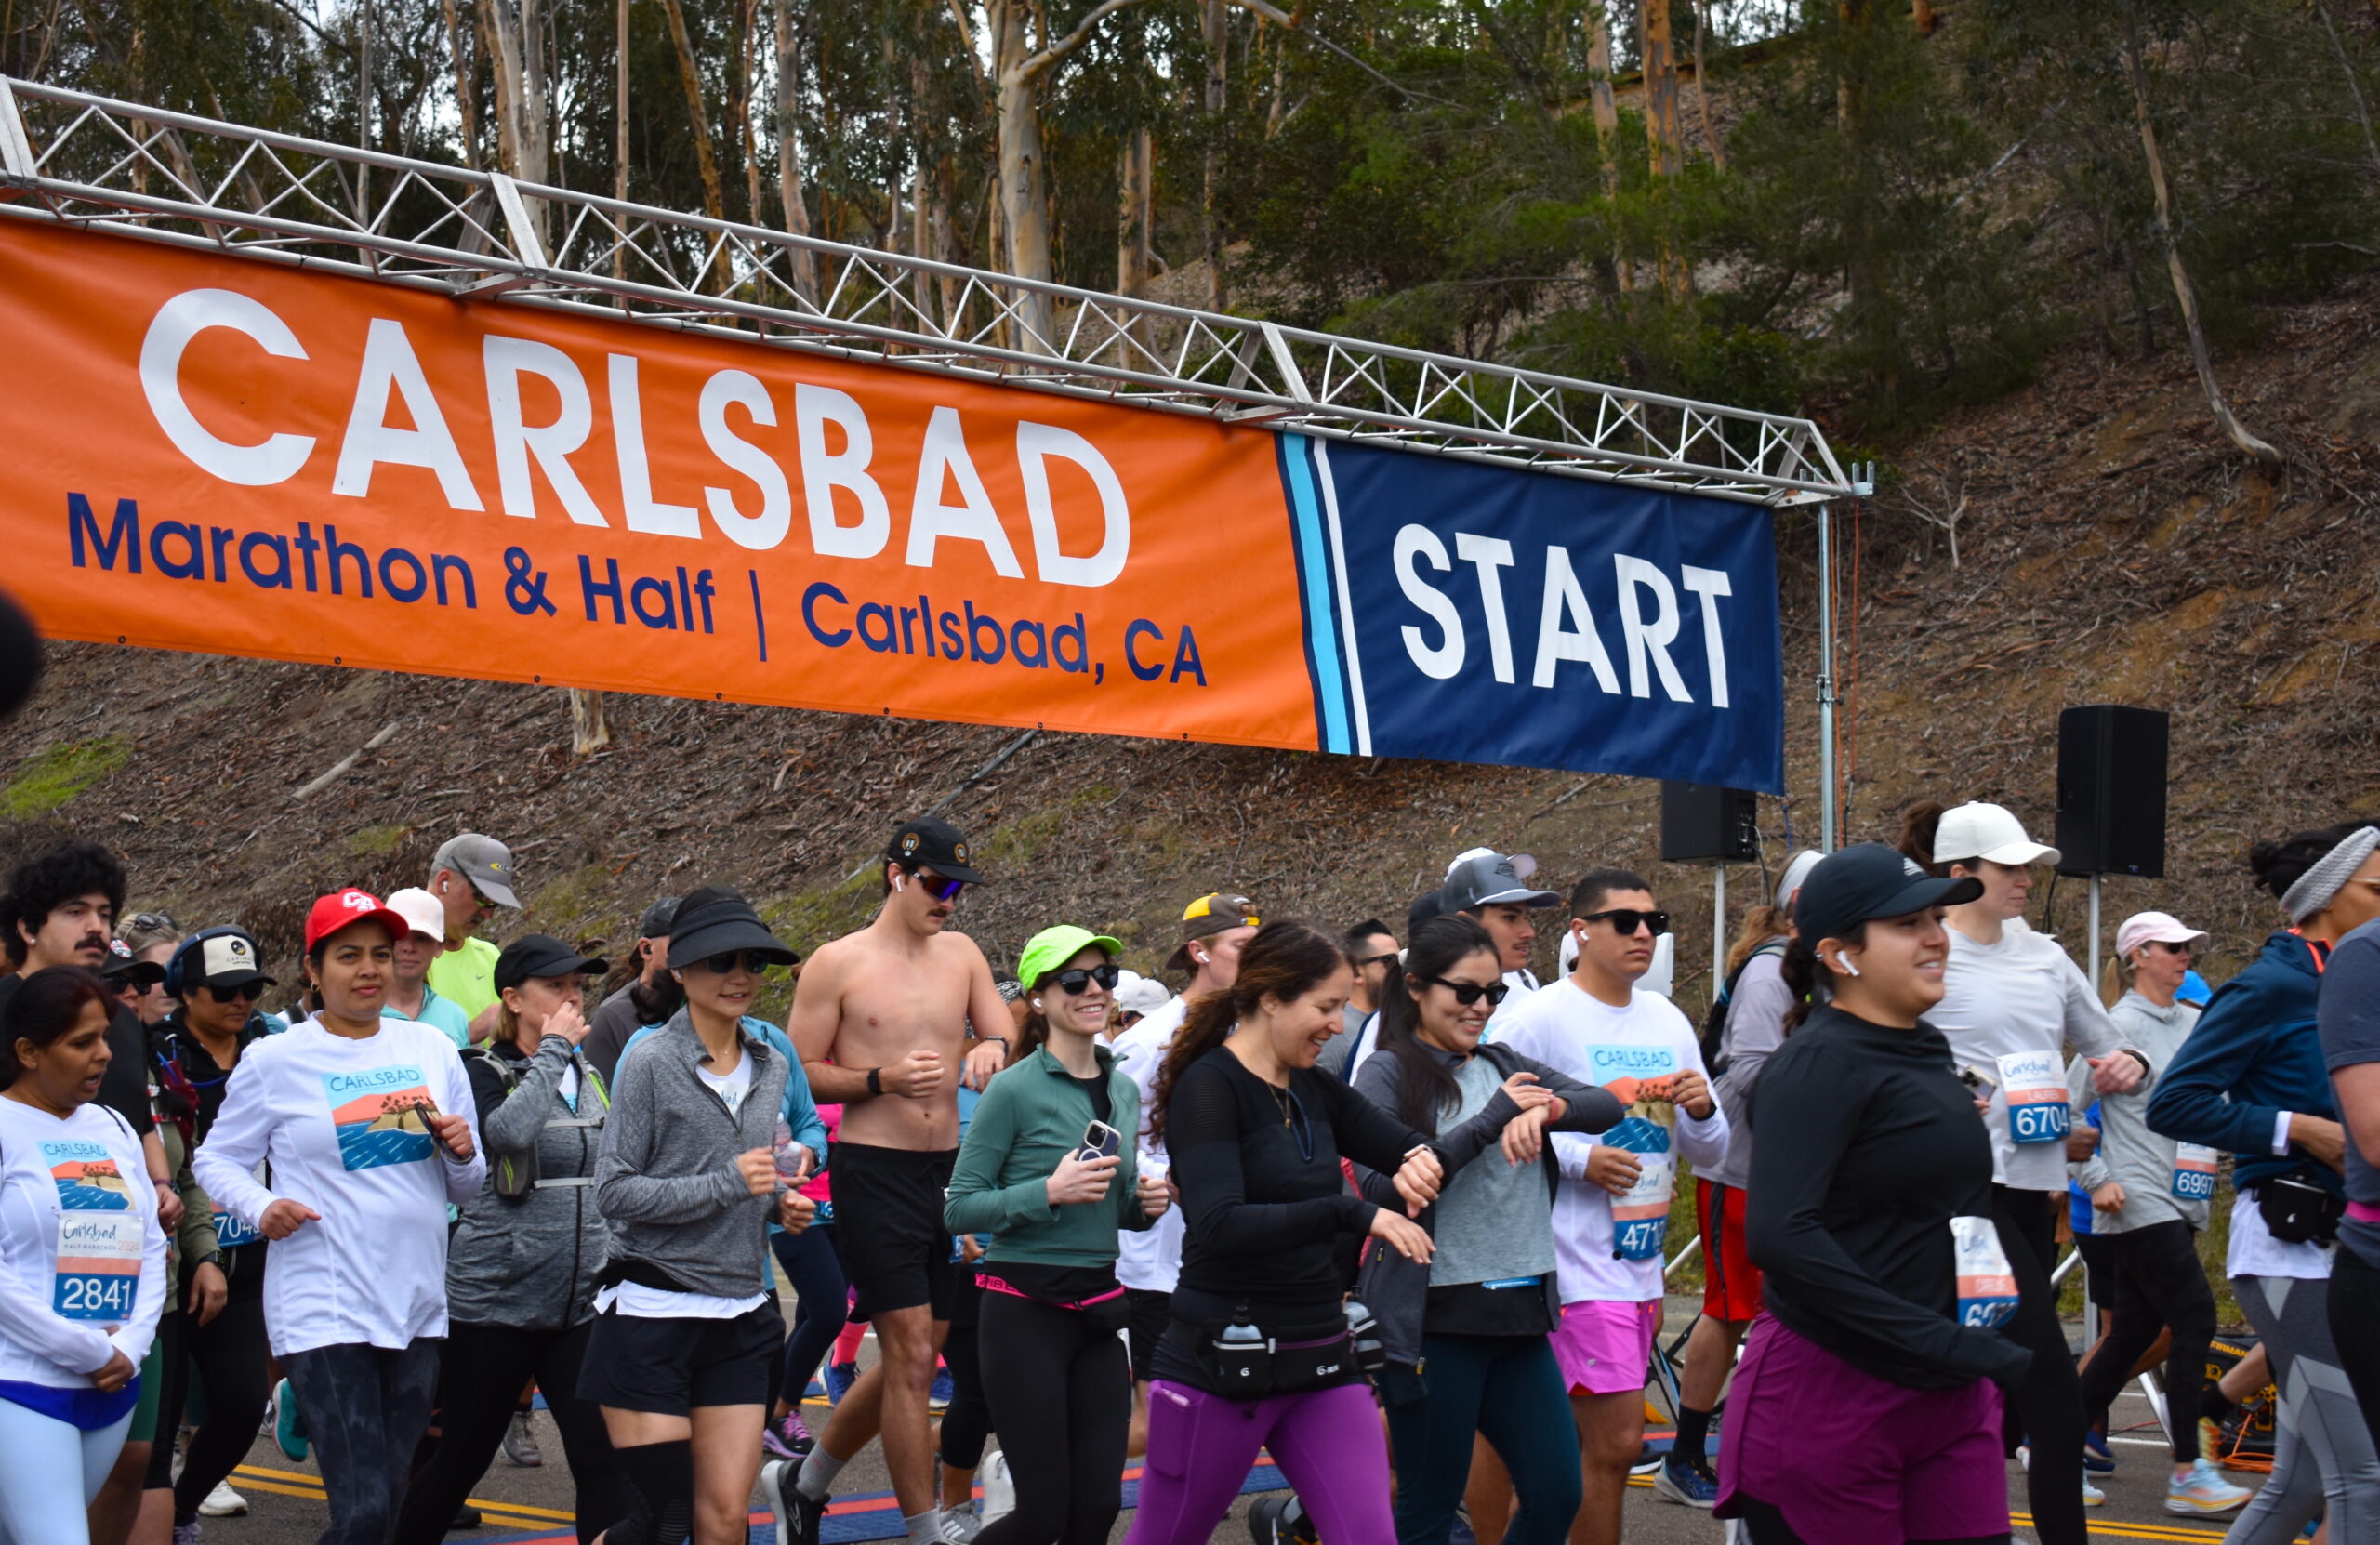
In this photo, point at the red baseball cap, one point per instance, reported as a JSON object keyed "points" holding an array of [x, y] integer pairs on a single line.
{"points": [[343, 909]]}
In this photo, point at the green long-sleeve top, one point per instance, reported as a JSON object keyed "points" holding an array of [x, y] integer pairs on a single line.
{"points": [[1032, 1116]]}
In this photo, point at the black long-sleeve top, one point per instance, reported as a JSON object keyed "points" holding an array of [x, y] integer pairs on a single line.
{"points": [[1867, 1146], [1266, 1215]]}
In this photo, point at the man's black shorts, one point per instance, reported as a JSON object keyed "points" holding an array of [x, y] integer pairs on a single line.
{"points": [[668, 1367], [1150, 1310], [888, 1218]]}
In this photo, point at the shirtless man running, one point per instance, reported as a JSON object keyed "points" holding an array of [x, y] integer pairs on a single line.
{"points": [[881, 1019]]}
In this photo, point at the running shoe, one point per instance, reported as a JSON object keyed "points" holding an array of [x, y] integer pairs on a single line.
{"points": [[839, 1377], [520, 1443], [1683, 1481], [999, 1487], [2098, 1458], [1648, 1459], [288, 1422], [186, 1533], [1269, 1524], [787, 1437], [957, 1526], [798, 1516], [2092, 1496], [2203, 1492], [2210, 1438], [223, 1502], [938, 1398], [466, 1517]]}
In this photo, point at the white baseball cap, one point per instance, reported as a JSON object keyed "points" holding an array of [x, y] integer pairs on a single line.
{"points": [[1988, 832], [2156, 928], [1136, 994], [423, 913]]}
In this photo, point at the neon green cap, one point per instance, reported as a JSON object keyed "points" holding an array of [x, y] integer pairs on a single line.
{"points": [[1053, 947]]}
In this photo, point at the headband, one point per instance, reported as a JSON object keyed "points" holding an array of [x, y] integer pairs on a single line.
{"points": [[2320, 884]]}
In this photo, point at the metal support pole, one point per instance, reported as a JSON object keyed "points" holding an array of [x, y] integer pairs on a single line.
{"points": [[2095, 932], [1718, 929], [1827, 812]]}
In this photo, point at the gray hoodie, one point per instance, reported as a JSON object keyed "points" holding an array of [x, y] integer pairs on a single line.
{"points": [[531, 1263], [2129, 1152], [667, 1179]]}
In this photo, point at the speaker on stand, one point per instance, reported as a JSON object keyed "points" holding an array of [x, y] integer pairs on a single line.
{"points": [[2111, 796], [1708, 824]]}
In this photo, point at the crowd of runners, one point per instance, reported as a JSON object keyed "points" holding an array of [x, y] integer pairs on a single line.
{"points": [[1374, 1200]]}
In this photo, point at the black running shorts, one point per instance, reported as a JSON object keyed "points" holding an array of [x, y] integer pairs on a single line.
{"points": [[670, 1367], [888, 1220]]}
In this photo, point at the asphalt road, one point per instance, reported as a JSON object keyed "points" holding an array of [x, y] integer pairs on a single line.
{"points": [[519, 1506]]}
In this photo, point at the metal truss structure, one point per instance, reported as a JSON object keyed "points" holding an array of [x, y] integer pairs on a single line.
{"points": [[100, 164]]}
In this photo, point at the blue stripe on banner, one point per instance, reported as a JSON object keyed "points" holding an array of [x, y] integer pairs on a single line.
{"points": [[1314, 581]]}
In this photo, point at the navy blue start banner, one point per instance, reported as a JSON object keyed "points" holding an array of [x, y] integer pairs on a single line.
{"points": [[1468, 612]]}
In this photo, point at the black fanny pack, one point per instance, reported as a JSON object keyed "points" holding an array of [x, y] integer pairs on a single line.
{"points": [[2298, 1211], [644, 1274], [1246, 1361]]}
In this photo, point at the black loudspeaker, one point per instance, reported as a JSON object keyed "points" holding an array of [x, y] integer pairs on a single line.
{"points": [[1703, 822], [2111, 791]]}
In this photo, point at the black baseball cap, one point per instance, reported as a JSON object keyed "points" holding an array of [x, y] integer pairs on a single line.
{"points": [[121, 967], [1868, 880], [540, 954], [928, 843], [657, 918], [715, 921]]}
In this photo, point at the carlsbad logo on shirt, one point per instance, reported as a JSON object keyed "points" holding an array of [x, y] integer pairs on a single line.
{"points": [[381, 1115], [1641, 1077], [87, 1176]]}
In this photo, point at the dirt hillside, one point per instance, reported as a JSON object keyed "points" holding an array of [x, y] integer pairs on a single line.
{"points": [[2112, 548]]}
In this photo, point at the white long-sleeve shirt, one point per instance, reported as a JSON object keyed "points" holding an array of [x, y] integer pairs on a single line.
{"points": [[82, 1257], [340, 1120], [1150, 1260], [2009, 1010], [1565, 1028]]}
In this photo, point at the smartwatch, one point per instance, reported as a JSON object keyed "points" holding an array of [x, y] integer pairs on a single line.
{"points": [[876, 1081]]}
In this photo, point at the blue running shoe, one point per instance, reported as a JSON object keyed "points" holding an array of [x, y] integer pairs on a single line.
{"points": [[939, 1397], [2098, 1458], [839, 1378], [1683, 1482], [289, 1425]]}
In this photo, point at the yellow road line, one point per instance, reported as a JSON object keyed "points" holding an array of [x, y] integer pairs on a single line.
{"points": [[311, 1486]]}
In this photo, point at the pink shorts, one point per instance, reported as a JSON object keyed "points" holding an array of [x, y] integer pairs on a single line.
{"points": [[1605, 1347]]}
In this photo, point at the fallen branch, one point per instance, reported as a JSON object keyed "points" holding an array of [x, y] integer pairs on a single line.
{"points": [[346, 763]]}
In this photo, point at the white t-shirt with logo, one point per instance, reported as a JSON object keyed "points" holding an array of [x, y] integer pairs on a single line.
{"points": [[82, 1259], [341, 1121], [1609, 1248]]}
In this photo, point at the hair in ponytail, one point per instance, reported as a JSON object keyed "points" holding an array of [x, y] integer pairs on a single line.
{"points": [[1761, 924], [1283, 962], [1426, 1090], [2279, 865], [1808, 976], [1918, 825]]}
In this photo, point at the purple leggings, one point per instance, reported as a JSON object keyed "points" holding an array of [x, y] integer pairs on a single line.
{"points": [[1328, 1442]]}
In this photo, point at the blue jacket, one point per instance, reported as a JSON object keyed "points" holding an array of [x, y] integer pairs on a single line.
{"points": [[2254, 1053]]}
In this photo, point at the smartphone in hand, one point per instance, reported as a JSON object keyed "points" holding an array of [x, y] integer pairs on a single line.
{"points": [[1100, 1141]]}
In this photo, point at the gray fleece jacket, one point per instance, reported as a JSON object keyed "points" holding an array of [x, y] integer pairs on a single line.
{"points": [[531, 1263], [680, 1213]]}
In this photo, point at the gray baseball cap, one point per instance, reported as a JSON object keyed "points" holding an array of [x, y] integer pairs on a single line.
{"points": [[1485, 877], [483, 861]]}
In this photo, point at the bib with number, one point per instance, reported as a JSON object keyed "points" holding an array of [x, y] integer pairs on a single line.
{"points": [[2034, 1084], [2193, 1172], [1987, 1287], [99, 1266], [229, 1230], [1640, 1220]]}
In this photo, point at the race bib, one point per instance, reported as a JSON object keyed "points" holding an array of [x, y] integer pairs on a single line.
{"points": [[1987, 1287], [99, 1265], [2035, 1086], [2193, 1172], [230, 1232], [1640, 1220]]}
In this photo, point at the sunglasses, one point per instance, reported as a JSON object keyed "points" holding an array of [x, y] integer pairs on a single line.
{"points": [[246, 992], [2183, 948], [936, 886], [1626, 920], [152, 921], [750, 959], [1375, 960], [1469, 992], [1079, 981]]}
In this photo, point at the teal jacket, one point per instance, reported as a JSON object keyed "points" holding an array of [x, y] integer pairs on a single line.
{"points": [[1032, 1116]]}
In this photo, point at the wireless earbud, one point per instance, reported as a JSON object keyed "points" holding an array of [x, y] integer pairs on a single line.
{"points": [[1843, 964], [1036, 1003], [900, 881]]}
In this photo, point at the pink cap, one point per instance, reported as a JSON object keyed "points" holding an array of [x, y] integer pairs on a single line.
{"points": [[2160, 928]]}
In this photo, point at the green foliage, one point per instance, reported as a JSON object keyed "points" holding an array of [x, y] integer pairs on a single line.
{"points": [[54, 776]]}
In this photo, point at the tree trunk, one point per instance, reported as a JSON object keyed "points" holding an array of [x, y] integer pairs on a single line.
{"points": [[2185, 296], [620, 137], [1665, 132], [690, 77], [1606, 116], [790, 181], [590, 730], [464, 105], [2354, 86], [1217, 37], [1025, 204], [739, 108], [1136, 180], [1703, 83]]}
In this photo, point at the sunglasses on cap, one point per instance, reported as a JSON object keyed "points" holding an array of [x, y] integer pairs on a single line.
{"points": [[1079, 980], [151, 922], [750, 959], [246, 992], [1626, 920], [1469, 992]]}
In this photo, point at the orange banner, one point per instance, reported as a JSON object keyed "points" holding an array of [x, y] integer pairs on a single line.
{"points": [[222, 454]]}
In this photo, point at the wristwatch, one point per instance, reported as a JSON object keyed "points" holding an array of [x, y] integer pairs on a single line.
{"points": [[876, 1081]]}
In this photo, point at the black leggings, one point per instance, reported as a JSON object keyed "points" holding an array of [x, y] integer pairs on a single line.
{"points": [[2355, 1328], [172, 1377], [1766, 1526], [481, 1371], [968, 1420], [1060, 1387], [821, 1301], [2045, 1411], [2160, 1285], [230, 1352]]}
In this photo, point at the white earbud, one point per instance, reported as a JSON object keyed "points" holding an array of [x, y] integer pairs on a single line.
{"points": [[1843, 963], [900, 881], [1036, 1003]]}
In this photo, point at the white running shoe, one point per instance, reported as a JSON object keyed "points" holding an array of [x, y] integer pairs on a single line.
{"points": [[2092, 1496], [999, 1489], [520, 1443], [2203, 1492], [223, 1502]]}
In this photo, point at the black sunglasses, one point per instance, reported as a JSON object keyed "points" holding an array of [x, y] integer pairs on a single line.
{"points": [[1626, 920], [1375, 960], [1469, 992], [751, 960], [1080, 978], [246, 992]]}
